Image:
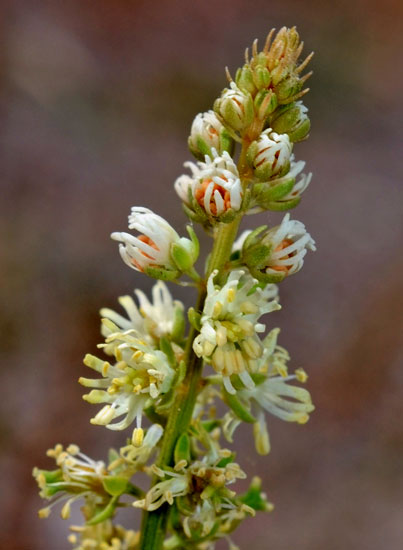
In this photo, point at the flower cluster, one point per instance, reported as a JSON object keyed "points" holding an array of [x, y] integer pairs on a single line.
{"points": [[228, 338], [154, 368]]}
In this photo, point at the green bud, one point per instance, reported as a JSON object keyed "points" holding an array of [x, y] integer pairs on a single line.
{"points": [[265, 103], [235, 108], [292, 120], [245, 80]]}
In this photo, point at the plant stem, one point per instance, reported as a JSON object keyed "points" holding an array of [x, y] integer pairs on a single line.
{"points": [[154, 523]]}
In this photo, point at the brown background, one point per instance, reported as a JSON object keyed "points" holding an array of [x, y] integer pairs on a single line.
{"points": [[97, 98]]}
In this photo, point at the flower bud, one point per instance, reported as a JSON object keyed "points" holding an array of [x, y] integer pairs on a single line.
{"points": [[158, 250], [276, 253], [293, 121], [235, 107], [208, 133], [270, 155]]}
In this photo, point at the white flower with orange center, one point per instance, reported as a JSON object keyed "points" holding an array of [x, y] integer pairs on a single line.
{"points": [[289, 243], [215, 185], [152, 246]]}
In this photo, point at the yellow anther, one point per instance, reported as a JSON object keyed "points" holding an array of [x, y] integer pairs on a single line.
{"points": [[65, 511], [303, 419], [73, 449], [44, 512], [231, 295], [217, 309], [301, 375], [137, 388], [137, 355], [137, 437], [180, 465], [105, 368]]}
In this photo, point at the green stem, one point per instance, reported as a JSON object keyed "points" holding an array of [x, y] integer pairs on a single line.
{"points": [[154, 523]]}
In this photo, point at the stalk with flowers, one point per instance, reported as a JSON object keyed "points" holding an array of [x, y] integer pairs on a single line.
{"points": [[156, 368]]}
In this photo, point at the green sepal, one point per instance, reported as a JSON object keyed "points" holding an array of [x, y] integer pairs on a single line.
{"points": [[244, 79], [203, 147], [152, 415], [265, 103], [258, 378], [256, 255], [185, 507], [225, 461], [112, 455], [267, 277], [265, 192], [182, 449], [226, 142], [238, 408], [166, 347], [279, 206], [246, 199], [52, 476], [261, 77], [105, 513], [178, 325], [194, 318], [251, 153], [161, 273], [253, 497], [192, 215], [182, 258], [199, 211], [195, 242], [265, 170], [114, 485], [228, 216], [250, 239], [210, 425]]}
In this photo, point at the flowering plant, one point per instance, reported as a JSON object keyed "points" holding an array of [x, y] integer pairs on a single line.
{"points": [[155, 366]]}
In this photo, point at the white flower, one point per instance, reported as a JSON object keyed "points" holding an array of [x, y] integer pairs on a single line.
{"points": [[184, 182], [153, 319], [136, 456], [140, 373], [228, 338], [214, 184], [151, 248], [290, 242], [274, 394], [202, 479], [301, 184], [78, 476], [271, 154]]}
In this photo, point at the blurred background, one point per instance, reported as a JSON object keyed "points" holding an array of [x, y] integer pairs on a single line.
{"points": [[96, 100]]}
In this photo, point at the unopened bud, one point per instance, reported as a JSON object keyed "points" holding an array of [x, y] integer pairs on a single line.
{"points": [[293, 121], [235, 107]]}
